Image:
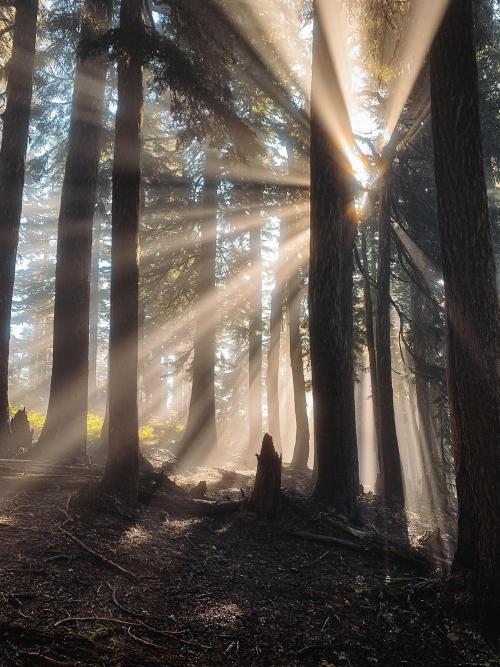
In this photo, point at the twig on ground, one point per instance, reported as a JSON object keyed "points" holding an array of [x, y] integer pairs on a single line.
{"points": [[97, 555], [118, 604], [148, 643], [139, 624], [48, 660]]}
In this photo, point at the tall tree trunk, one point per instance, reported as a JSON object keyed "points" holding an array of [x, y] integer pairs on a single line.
{"points": [[94, 310], [64, 434], [330, 302], [255, 337], [433, 471], [391, 474], [293, 303], [293, 300], [16, 118], [273, 357], [472, 312], [122, 464], [200, 436], [370, 335]]}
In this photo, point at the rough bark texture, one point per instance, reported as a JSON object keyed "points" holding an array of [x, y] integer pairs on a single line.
{"points": [[200, 435], [391, 474], [330, 304], [266, 495], [16, 118], [64, 433], [255, 337], [473, 343], [122, 465]]}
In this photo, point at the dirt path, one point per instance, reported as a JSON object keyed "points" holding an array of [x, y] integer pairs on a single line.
{"points": [[233, 591]]}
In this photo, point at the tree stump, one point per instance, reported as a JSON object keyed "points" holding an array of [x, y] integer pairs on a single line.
{"points": [[266, 495], [22, 435]]}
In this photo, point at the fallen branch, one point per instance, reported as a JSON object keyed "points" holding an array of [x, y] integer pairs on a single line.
{"points": [[97, 555], [366, 544], [118, 604], [326, 539], [197, 507], [47, 659], [138, 624]]}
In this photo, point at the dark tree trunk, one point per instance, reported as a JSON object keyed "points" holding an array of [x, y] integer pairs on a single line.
{"points": [[121, 475], [64, 434], [273, 362], [330, 302], [391, 474], [16, 118], [266, 495], [473, 343], [200, 436], [255, 337]]}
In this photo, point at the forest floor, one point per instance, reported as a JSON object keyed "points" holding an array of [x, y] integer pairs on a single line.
{"points": [[233, 590]]}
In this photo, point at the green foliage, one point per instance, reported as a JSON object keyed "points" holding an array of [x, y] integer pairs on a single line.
{"points": [[160, 431]]}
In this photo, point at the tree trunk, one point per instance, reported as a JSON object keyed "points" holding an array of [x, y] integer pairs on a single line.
{"points": [[273, 362], [121, 475], [370, 335], [293, 302], [200, 436], [94, 310], [16, 118], [391, 474], [434, 472], [64, 434], [330, 302], [472, 312], [255, 337]]}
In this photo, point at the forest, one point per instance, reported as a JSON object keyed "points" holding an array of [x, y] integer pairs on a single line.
{"points": [[249, 333]]}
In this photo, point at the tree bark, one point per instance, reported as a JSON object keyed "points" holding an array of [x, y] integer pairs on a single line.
{"points": [[330, 302], [64, 434], [200, 435], [16, 118], [391, 473], [122, 466], [266, 495], [472, 312]]}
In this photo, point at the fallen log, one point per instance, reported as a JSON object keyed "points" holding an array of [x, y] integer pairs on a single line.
{"points": [[196, 507]]}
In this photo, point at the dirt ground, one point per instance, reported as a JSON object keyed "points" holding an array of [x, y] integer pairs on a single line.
{"points": [[233, 590]]}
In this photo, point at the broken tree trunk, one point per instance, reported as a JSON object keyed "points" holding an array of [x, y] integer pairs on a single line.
{"points": [[266, 495]]}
